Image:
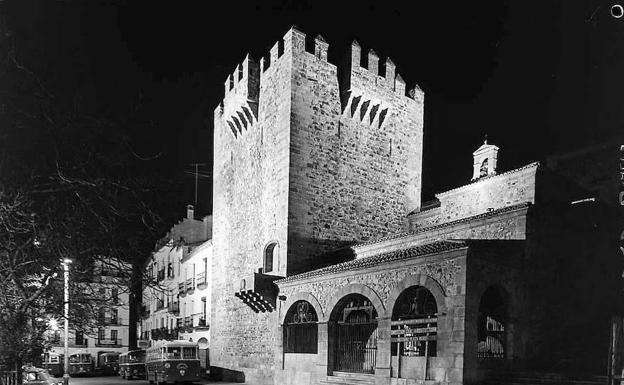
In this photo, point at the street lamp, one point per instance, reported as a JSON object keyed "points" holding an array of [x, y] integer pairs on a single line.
{"points": [[65, 264]]}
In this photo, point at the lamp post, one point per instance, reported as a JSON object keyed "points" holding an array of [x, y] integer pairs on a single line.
{"points": [[65, 264]]}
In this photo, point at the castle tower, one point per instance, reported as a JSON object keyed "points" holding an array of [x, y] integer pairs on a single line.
{"points": [[303, 165]]}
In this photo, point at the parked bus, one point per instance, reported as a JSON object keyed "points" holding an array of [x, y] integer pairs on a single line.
{"points": [[107, 363], [81, 364], [173, 361], [132, 364], [53, 363]]}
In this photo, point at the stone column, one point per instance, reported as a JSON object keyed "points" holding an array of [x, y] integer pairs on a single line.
{"points": [[322, 351], [382, 364]]}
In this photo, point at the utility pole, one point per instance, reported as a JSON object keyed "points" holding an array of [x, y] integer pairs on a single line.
{"points": [[66, 263]]}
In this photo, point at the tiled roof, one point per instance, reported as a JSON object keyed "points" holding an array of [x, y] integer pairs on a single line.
{"points": [[446, 224], [430, 248], [515, 170]]}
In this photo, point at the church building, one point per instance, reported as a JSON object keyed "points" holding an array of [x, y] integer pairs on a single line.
{"points": [[328, 268]]}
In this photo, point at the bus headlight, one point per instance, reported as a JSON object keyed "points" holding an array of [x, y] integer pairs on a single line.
{"points": [[167, 365]]}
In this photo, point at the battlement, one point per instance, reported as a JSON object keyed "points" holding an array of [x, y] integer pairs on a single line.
{"points": [[384, 76], [295, 42], [240, 103]]}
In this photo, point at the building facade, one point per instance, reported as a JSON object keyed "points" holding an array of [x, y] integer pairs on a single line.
{"points": [[328, 269], [105, 294], [175, 303]]}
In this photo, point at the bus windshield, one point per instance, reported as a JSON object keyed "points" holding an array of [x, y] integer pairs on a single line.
{"points": [[174, 352], [136, 357], [85, 358], [189, 353]]}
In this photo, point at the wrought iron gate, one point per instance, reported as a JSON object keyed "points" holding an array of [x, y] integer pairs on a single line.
{"points": [[356, 347]]}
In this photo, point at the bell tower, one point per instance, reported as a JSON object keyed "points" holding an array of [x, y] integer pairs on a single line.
{"points": [[484, 163]]}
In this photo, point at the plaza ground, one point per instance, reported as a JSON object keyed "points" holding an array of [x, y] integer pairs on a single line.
{"points": [[114, 380]]}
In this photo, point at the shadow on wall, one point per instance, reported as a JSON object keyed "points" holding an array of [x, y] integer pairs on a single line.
{"points": [[223, 374]]}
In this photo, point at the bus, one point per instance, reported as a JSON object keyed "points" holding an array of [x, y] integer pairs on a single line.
{"points": [[173, 361], [132, 364], [81, 364], [54, 363], [107, 363]]}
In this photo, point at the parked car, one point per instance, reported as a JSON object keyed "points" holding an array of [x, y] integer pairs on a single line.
{"points": [[38, 376]]}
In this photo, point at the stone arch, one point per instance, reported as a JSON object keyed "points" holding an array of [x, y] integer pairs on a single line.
{"points": [[353, 288], [417, 280], [301, 296]]}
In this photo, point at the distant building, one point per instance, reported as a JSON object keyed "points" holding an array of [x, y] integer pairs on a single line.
{"points": [[328, 269], [105, 292], [176, 286]]}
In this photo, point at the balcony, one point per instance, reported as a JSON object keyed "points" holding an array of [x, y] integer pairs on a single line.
{"points": [[202, 324], [181, 289], [190, 284], [173, 308], [109, 321], [108, 342], [201, 280], [164, 334]]}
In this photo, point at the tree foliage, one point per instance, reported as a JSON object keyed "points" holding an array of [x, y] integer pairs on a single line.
{"points": [[73, 186]]}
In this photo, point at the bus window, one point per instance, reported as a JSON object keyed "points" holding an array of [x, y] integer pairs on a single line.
{"points": [[86, 358], [189, 353], [174, 352], [74, 359]]}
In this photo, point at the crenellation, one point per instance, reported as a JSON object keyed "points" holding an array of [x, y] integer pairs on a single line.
{"points": [[389, 75], [399, 85], [320, 48], [373, 62], [356, 55]]}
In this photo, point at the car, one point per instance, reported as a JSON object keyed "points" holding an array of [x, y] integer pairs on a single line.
{"points": [[39, 376]]}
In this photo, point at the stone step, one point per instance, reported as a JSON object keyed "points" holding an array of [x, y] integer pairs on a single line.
{"points": [[347, 378]]}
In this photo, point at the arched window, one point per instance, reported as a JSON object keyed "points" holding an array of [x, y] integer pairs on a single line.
{"points": [[414, 323], [301, 329], [492, 324], [269, 253], [355, 332], [483, 171]]}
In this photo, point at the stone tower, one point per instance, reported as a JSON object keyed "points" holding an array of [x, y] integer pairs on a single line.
{"points": [[303, 165]]}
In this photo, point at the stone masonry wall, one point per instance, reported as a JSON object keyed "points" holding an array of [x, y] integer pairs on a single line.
{"points": [[491, 193], [250, 210], [355, 164]]}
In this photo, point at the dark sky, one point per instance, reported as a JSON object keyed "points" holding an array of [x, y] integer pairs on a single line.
{"points": [[538, 77]]}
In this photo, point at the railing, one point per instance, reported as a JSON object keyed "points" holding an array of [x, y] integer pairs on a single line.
{"points": [[164, 334], [109, 320], [201, 280], [83, 343], [174, 308], [108, 342], [190, 284], [181, 289], [10, 378]]}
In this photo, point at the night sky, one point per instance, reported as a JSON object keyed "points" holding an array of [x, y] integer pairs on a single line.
{"points": [[537, 77]]}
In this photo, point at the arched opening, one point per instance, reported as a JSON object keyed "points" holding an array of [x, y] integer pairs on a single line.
{"points": [[492, 323], [414, 323], [269, 253], [483, 171], [354, 323], [301, 329]]}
